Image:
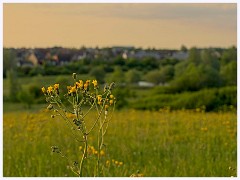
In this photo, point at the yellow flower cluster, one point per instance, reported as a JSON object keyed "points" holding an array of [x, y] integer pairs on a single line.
{"points": [[51, 89], [72, 90], [92, 151], [114, 162], [109, 102], [80, 85]]}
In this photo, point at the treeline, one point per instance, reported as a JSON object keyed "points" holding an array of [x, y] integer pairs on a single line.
{"points": [[203, 70]]}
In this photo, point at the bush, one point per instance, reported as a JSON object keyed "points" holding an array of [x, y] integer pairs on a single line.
{"points": [[212, 99], [98, 73], [122, 94], [26, 98]]}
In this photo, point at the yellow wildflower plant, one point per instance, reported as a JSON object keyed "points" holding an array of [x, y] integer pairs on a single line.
{"points": [[93, 99]]}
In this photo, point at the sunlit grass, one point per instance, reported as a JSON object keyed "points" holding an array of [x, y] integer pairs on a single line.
{"points": [[157, 144]]}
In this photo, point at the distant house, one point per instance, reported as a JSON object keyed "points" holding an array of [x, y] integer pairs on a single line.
{"points": [[141, 54], [180, 55], [78, 56], [32, 58], [24, 63]]}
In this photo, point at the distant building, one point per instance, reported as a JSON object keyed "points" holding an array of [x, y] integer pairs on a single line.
{"points": [[180, 55], [141, 54]]}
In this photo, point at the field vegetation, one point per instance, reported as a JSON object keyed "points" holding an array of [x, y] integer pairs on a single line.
{"points": [[157, 144]]}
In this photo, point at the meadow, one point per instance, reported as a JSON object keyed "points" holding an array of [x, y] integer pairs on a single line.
{"points": [[163, 143]]}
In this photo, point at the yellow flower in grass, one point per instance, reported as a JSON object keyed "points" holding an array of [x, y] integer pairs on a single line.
{"points": [[107, 163], [111, 102], [56, 86], [99, 98], [85, 86], [106, 107], [95, 83], [79, 84], [102, 153], [50, 89], [43, 90], [88, 82], [111, 96], [72, 90]]}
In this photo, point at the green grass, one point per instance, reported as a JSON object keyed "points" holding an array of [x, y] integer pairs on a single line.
{"points": [[158, 144]]}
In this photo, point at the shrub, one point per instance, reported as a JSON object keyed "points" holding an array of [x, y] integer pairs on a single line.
{"points": [[212, 99]]}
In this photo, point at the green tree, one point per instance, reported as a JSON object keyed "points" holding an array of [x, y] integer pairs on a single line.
{"points": [[118, 75], [196, 77], [14, 86], [99, 73], [183, 48], [153, 77], [210, 76], [180, 68], [229, 73], [26, 98], [167, 73], [133, 76], [9, 61], [229, 55], [194, 56], [209, 59]]}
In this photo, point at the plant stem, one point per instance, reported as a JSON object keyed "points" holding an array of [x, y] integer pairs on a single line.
{"points": [[84, 155]]}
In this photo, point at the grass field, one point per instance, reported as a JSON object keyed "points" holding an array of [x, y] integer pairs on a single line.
{"points": [[157, 144]]}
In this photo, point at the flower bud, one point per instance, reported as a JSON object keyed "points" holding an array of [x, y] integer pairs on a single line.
{"points": [[74, 75]]}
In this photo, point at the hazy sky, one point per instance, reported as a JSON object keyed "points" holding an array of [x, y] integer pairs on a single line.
{"points": [[140, 25]]}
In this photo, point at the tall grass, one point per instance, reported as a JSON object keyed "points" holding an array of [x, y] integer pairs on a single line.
{"points": [[157, 144]]}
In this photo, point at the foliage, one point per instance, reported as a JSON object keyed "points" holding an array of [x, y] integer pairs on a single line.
{"points": [[133, 76], [154, 77], [229, 55], [14, 86], [194, 78], [117, 76], [98, 73], [229, 73], [26, 98], [9, 61], [167, 74], [122, 96], [211, 99]]}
